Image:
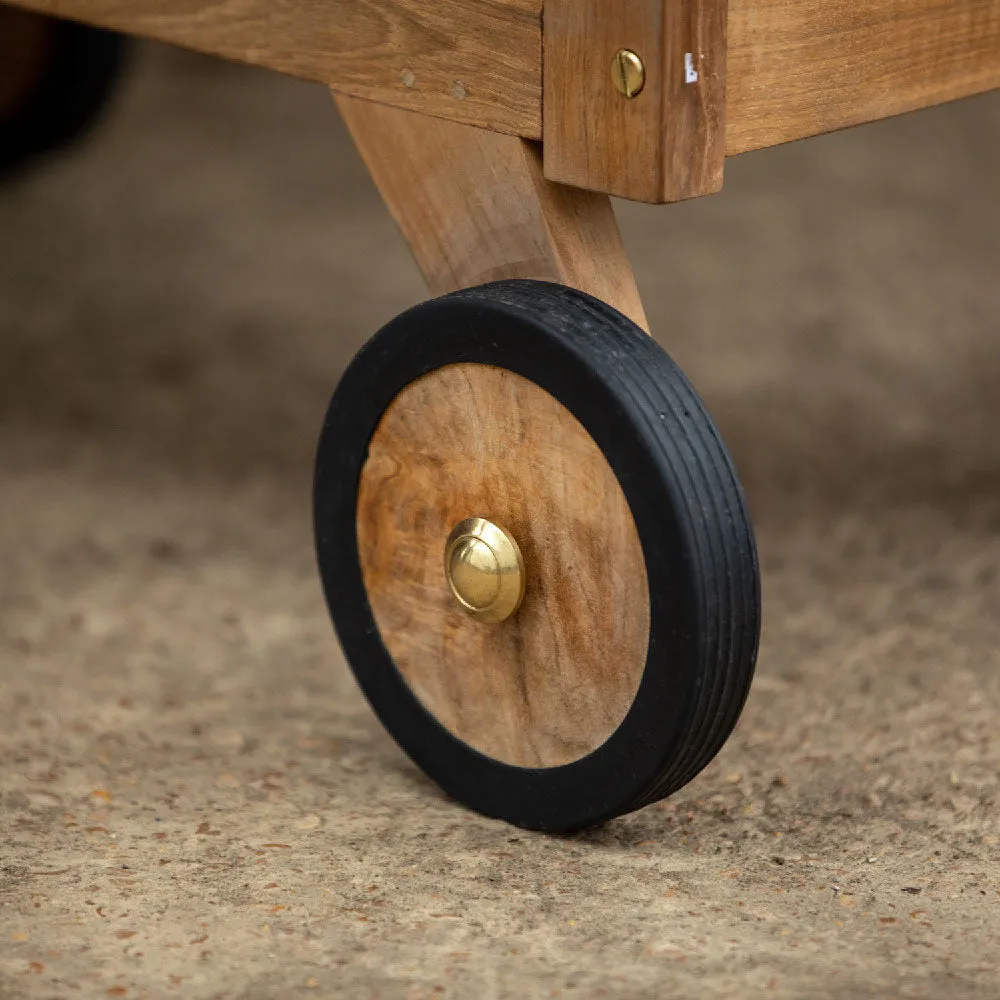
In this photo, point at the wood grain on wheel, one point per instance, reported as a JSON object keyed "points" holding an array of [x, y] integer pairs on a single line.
{"points": [[552, 683]]}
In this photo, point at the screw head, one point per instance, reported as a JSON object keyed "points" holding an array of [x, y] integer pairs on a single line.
{"points": [[628, 74], [484, 569]]}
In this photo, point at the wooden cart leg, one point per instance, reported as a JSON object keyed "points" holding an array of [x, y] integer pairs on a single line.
{"points": [[475, 206]]}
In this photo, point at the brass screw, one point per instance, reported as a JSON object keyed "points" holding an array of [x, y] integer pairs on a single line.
{"points": [[628, 73], [484, 568]]}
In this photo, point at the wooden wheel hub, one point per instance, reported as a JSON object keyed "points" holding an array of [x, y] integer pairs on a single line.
{"points": [[485, 570], [549, 684]]}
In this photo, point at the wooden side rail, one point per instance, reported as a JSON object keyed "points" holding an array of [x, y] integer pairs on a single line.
{"points": [[802, 67], [473, 61]]}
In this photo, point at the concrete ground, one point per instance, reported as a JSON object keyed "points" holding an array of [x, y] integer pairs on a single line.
{"points": [[196, 802]]}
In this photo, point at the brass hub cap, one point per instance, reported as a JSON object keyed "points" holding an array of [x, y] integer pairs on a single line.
{"points": [[484, 568]]}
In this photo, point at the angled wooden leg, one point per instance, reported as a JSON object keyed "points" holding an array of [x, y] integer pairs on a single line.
{"points": [[475, 206]]}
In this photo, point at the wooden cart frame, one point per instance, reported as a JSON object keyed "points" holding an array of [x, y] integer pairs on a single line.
{"points": [[719, 79], [497, 131], [768, 71]]}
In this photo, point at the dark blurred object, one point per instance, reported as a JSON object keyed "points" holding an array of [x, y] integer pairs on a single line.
{"points": [[55, 78]]}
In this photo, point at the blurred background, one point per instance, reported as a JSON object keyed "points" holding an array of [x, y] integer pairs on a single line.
{"points": [[177, 299]]}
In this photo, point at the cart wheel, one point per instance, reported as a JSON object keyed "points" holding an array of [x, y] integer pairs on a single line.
{"points": [[536, 554], [55, 78]]}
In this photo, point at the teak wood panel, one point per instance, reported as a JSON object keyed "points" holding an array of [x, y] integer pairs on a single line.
{"points": [[668, 142], [475, 206], [802, 67], [475, 61], [553, 682]]}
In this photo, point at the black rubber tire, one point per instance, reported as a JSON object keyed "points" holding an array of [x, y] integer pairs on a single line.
{"points": [[83, 65], [687, 504]]}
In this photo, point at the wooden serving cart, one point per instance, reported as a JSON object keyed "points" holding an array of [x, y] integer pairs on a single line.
{"points": [[533, 543]]}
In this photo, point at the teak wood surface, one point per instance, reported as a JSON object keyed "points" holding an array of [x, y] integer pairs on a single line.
{"points": [[794, 67], [552, 683], [666, 143], [475, 206], [802, 67]]}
